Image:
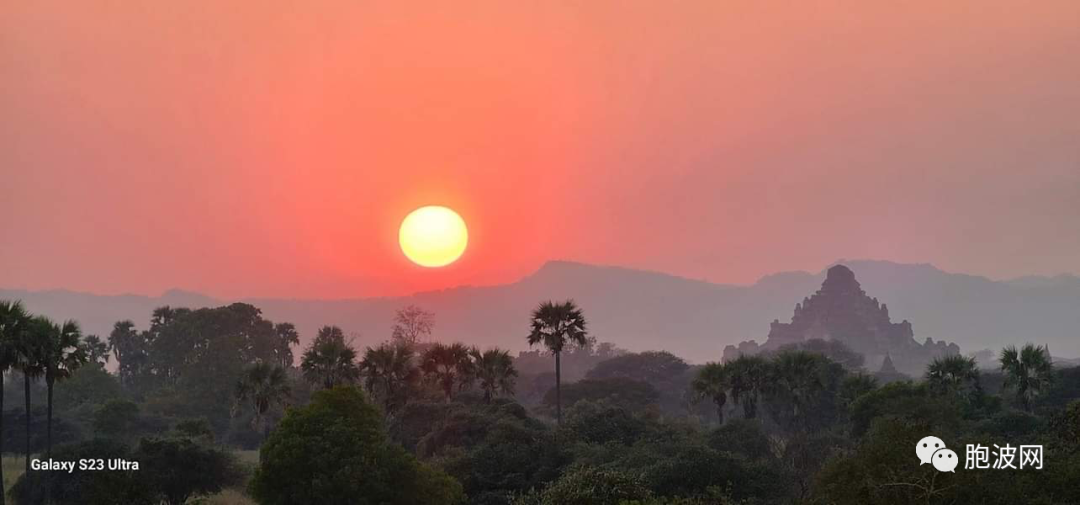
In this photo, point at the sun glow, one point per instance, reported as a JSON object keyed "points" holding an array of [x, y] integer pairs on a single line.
{"points": [[433, 236]]}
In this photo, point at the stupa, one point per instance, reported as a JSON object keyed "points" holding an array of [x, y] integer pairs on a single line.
{"points": [[842, 311]]}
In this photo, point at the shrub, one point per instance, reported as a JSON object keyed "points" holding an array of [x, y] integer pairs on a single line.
{"points": [[335, 451]]}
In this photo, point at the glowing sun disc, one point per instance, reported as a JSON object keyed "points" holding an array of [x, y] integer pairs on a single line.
{"points": [[433, 236]]}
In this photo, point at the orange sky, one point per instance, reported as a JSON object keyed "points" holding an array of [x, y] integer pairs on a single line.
{"points": [[272, 148]]}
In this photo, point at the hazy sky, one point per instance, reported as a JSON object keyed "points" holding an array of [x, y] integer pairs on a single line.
{"points": [[272, 148]]}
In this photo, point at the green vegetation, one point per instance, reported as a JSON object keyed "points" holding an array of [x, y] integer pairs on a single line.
{"points": [[413, 421], [260, 387], [1028, 371], [170, 471], [335, 451], [554, 325], [449, 366], [330, 361]]}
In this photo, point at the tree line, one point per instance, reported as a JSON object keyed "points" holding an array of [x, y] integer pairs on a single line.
{"points": [[449, 423]]}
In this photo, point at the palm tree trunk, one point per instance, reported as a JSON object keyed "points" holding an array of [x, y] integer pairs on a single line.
{"points": [[720, 413], [48, 422], [2, 494], [26, 383], [558, 390], [49, 381], [257, 422]]}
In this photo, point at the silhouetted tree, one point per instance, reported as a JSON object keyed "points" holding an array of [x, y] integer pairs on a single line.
{"points": [[748, 377], [286, 338], [389, 371], [1028, 370], [952, 373], [97, 351], [713, 382], [330, 361], [63, 353], [31, 356], [448, 366], [412, 324], [261, 386], [554, 325], [494, 369], [653, 367], [800, 386], [130, 348], [14, 321]]}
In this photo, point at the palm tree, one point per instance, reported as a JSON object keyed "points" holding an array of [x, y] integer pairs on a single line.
{"points": [[748, 375], [797, 381], [63, 354], [129, 348], [330, 360], [1029, 370], [97, 351], [952, 373], [13, 323], [31, 349], [286, 337], [388, 372], [30, 363], [448, 366], [262, 385], [495, 370], [555, 325], [713, 382]]}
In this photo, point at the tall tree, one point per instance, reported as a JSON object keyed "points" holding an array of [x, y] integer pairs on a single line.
{"points": [[800, 386], [494, 370], [262, 386], [952, 373], [389, 371], [14, 321], [129, 347], [1028, 370], [448, 366], [330, 360], [31, 350], [749, 376], [97, 351], [63, 353], [554, 325], [713, 382], [286, 338], [413, 324]]}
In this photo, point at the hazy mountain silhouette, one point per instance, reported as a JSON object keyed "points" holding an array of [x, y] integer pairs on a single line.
{"points": [[646, 310]]}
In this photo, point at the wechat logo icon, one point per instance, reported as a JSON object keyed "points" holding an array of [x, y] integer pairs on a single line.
{"points": [[932, 450]]}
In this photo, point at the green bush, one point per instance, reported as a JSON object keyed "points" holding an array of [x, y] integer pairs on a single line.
{"points": [[335, 451]]}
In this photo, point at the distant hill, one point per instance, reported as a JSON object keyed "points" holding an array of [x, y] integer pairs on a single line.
{"points": [[642, 310]]}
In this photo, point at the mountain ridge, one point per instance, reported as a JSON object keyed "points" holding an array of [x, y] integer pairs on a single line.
{"points": [[641, 309]]}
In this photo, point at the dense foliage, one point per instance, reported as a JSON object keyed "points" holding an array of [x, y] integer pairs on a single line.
{"points": [[335, 451], [171, 470], [411, 420]]}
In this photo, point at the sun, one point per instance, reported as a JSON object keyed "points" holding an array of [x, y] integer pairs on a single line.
{"points": [[433, 236]]}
